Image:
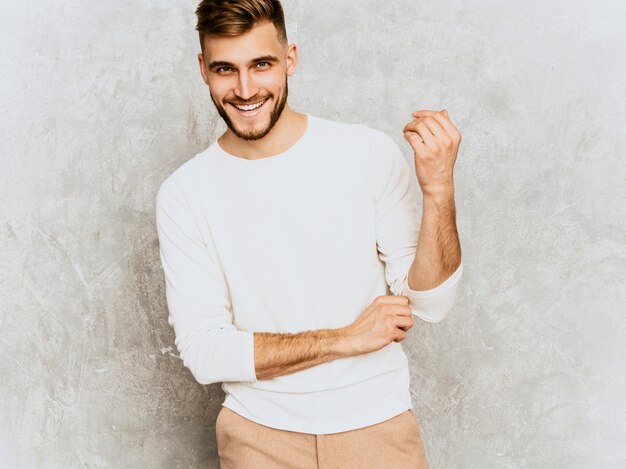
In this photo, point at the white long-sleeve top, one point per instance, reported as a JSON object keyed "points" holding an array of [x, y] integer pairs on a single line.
{"points": [[302, 240]]}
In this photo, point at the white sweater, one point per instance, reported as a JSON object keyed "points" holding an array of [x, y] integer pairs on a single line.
{"points": [[302, 240]]}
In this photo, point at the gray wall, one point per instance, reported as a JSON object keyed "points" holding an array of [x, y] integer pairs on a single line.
{"points": [[100, 101]]}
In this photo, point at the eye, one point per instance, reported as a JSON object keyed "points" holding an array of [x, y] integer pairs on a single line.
{"points": [[223, 69], [263, 65]]}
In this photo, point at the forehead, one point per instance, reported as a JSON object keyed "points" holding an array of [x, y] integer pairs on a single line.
{"points": [[261, 40]]}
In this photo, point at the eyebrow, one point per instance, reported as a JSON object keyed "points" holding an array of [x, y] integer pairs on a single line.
{"points": [[221, 63]]}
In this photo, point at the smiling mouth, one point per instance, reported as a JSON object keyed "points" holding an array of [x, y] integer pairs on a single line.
{"points": [[249, 107]]}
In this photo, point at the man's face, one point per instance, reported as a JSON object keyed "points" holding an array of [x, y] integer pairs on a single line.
{"points": [[247, 78]]}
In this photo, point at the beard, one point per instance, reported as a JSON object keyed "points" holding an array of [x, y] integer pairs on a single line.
{"points": [[255, 134]]}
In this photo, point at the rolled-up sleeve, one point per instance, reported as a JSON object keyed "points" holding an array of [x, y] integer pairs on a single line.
{"points": [[199, 308], [397, 230]]}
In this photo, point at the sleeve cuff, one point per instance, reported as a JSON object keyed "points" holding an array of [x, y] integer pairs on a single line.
{"points": [[249, 358], [434, 304], [441, 288]]}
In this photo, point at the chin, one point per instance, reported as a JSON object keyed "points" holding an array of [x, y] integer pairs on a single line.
{"points": [[251, 130], [248, 133]]}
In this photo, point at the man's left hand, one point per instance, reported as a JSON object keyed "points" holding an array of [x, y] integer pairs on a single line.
{"points": [[435, 141]]}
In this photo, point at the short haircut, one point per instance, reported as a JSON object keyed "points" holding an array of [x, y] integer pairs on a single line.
{"points": [[235, 17]]}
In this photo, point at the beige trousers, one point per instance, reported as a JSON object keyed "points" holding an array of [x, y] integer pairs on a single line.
{"points": [[395, 443]]}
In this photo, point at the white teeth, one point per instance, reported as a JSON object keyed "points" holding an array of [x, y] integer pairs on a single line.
{"points": [[249, 107]]}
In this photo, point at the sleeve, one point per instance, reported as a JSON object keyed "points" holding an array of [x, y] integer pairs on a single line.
{"points": [[397, 231], [199, 307]]}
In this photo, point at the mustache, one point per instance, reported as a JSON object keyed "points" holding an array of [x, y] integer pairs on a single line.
{"points": [[254, 100]]}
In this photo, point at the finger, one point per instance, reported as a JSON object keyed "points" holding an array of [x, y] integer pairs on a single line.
{"points": [[394, 299], [405, 324], [436, 129], [413, 126], [428, 113], [404, 311], [427, 136], [401, 337], [423, 113], [450, 129], [416, 141]]}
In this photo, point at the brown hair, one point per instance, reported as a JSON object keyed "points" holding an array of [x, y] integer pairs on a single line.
{"points": [[234, 17]]}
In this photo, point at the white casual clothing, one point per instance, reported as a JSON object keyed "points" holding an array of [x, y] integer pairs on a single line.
{"points": [[302, 240]]}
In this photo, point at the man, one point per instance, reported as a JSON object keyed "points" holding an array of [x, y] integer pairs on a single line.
{"points": [[280, 243]]}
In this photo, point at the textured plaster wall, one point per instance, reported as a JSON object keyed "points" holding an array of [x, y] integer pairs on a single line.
{"points": [[100, 101]]}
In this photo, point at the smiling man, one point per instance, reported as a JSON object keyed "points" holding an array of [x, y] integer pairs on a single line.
{"points": [[295, 259], [218, 74]]}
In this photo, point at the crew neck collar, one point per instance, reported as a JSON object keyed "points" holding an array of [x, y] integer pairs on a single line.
{"points": [[277, 157]]}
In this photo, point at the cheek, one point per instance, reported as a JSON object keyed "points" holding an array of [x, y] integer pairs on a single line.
{"points": [[220, 88], [272, 81]]}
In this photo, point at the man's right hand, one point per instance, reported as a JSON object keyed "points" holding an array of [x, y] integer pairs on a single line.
{"points": [[386, 319]]}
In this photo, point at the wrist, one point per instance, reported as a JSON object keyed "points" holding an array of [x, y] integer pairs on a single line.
{"points": [[340, 343], [440, 198], [438, 191]]}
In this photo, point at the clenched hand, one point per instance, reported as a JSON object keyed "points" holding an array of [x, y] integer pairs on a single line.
{"points": [[435, 142]]}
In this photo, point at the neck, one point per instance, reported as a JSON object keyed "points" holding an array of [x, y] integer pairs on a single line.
{"points": [[288, 129]]}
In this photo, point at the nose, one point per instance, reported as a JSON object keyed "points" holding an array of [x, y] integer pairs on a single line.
{"points": [[246, 88]]}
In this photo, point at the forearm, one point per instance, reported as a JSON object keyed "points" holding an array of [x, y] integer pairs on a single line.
{"points": [[438, 252], [282, 354]]}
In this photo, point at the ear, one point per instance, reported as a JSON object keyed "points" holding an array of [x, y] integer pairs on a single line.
{"points": [[292, 59], [202, 68]]}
